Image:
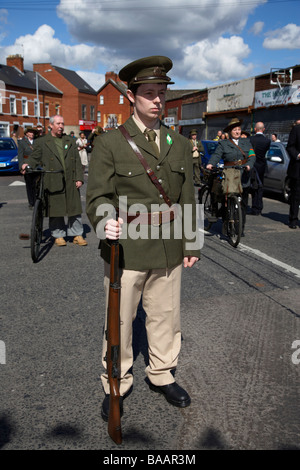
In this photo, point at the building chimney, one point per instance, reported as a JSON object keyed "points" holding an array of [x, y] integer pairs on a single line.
{"points": [[111, 75], [15, 61]]}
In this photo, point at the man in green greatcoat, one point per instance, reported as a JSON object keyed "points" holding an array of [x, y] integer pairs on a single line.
{"points": [[57, 151], [152, 259]]}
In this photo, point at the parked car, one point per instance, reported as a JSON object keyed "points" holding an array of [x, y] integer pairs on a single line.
{"points": [[276, 179], [8, 155], [209, 148]]}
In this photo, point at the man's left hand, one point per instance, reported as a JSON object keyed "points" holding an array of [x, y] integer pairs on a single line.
{"points": [[78, 184]]}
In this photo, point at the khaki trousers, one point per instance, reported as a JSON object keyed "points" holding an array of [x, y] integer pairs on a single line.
{"points": [[160, 291]]}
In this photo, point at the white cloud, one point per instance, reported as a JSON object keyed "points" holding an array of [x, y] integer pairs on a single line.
{"points": [[287, 37], [51, 49], [203, 39], [217, 61], [128, 30], [96, 80], [257, 28]]}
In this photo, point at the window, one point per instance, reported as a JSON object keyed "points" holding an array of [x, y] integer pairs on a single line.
{"points": [[98, 116], [101, 99], [36, 108], [57, 109], [275, 155], [24, 106], [4, 129], [47, 110], [1, 110], [83, 111], [92, 113], [121, 99], [12, 105]]}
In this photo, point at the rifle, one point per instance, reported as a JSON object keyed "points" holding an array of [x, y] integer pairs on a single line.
{"points": [[113, 345]]}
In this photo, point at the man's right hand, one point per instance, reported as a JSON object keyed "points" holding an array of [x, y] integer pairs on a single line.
{"points": [[113, 229], [209, 167]]}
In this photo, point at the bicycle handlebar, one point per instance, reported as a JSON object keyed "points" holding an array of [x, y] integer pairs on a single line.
{"points": [[39, 169]]}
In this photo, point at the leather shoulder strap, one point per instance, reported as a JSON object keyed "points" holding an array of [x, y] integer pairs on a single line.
{"points": [[238, 148], [149, 171]]}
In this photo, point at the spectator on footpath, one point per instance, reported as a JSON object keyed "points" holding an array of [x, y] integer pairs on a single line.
{"points": [[261, 145], [40, 131], [57, 151], [25, 149], [218, 136], [15, 138], [150, 266], [72, 134], [81, 143], [274, 138], [98, 130], [245, 134], [197, 149], [293, 172]]}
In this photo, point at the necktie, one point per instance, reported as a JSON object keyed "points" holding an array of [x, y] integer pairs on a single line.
{"points": [[151, 136]]}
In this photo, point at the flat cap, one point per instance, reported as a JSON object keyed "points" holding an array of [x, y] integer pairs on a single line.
{"points": [[151, 69]]}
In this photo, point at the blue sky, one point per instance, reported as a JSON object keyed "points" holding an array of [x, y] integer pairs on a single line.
{"points": [[209, 41]]}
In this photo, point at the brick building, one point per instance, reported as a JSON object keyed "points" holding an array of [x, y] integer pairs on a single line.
{"points": [[113, 106], [79, 99], [26, 98]]}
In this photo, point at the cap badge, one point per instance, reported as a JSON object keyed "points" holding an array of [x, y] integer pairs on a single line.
{"points": [[157, 72]]}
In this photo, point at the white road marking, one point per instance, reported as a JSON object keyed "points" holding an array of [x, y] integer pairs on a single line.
{"points": [[17, 183], [270, 259]]}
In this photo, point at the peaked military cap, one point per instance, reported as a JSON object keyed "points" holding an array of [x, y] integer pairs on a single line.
{"points": [[151, 69], [235, 122]]}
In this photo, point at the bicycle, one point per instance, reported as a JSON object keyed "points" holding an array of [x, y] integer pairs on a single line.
{"points": [[227, 205], [39, 210]]}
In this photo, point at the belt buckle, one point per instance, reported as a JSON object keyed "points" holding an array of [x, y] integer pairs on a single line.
{"points": [[156, 219]]}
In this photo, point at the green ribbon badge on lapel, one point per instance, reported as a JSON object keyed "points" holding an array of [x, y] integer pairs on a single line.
{"points": [[66, 146], [169, 139]]}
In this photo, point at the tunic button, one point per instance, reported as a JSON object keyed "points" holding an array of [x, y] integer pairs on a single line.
{"points": [[182, 168], [161, 196], [129, 173], [158, 167], [160, 180]]}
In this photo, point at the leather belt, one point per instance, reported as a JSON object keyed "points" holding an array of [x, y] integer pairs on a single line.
{"points": [[238, 162], [149, 218]]}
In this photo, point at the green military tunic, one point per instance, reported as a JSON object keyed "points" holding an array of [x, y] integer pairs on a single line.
{"points": [[229, 152], [116, 172], [63, 196]]}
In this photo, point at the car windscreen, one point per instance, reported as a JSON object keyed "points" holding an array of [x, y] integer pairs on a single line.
{"points": [[211, 147], [7, 145]]}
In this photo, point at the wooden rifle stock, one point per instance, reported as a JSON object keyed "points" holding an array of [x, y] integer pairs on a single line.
{"points": [[113, 345]]}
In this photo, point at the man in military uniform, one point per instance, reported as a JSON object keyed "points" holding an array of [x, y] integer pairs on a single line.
{"points": [[25, 149], [197, 149], [56, 151], [150, 268]]}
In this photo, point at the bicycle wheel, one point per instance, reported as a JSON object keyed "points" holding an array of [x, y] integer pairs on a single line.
{"points": [[234, 220], [205, 199], [36, 229]]}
